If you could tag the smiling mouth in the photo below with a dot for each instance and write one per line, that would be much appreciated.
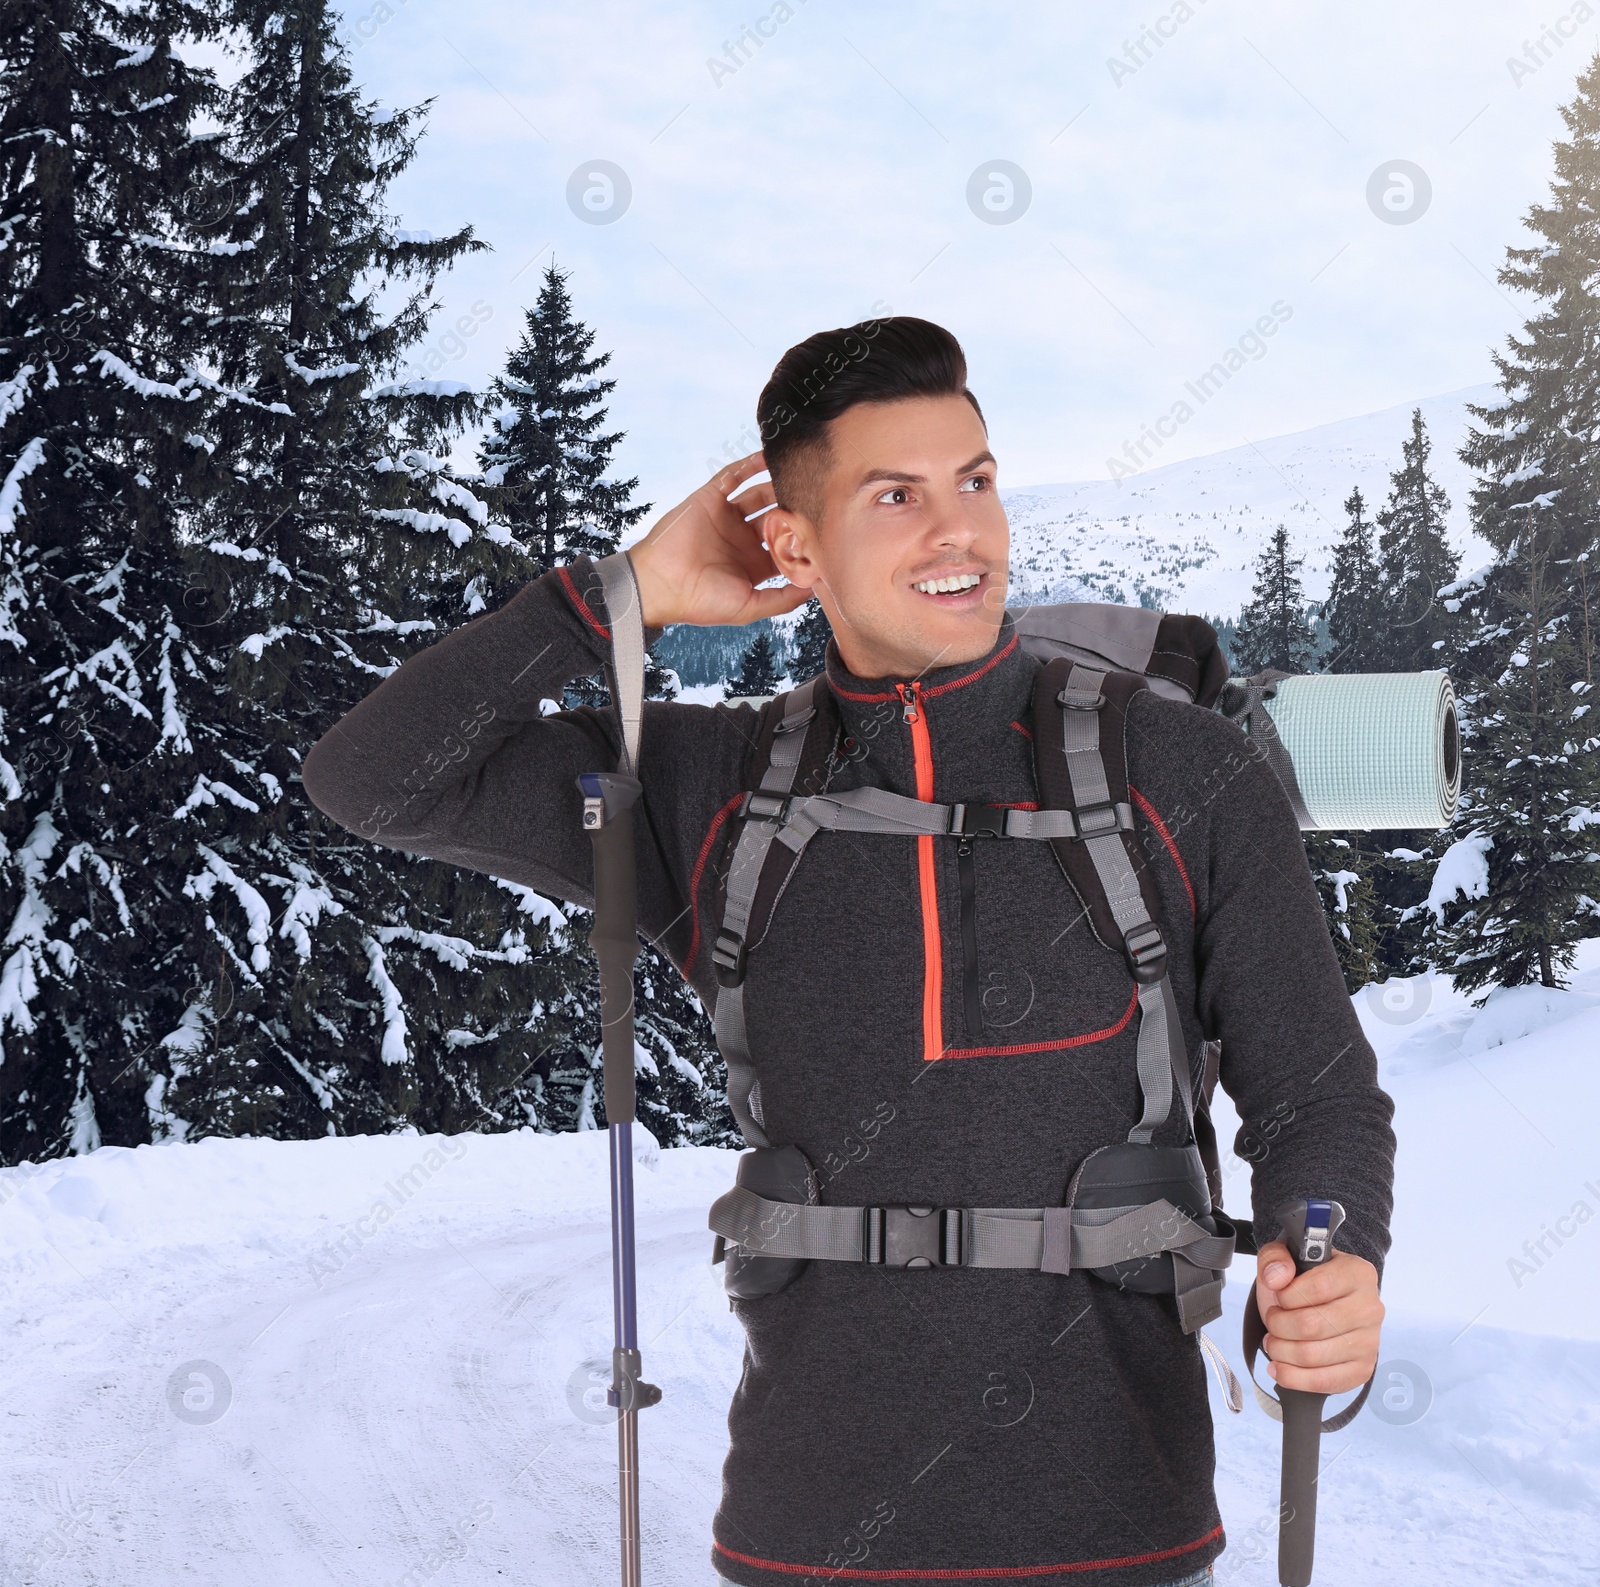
(950, 586)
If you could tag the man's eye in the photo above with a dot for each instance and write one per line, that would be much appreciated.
(897, 497)
(978, 482)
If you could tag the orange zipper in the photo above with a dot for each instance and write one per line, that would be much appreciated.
(915, 716)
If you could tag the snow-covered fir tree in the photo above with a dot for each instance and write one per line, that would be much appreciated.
(1520, 885)
(811, 636)
(339, 984)
(1273, 630)
(547, 449)
(1415, 561)
(1353, 607)
(101, 391)
(547, 456)
(547, 452)
(758, 673)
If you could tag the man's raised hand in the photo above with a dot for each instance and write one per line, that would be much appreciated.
(701, 562)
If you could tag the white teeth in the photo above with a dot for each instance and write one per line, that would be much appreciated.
(961, 581)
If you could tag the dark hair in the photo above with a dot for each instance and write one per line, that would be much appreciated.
(882, 360)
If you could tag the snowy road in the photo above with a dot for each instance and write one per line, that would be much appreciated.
(362, 1360)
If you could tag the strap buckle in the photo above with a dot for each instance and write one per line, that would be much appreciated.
(1095, 820)
(911, 1236)
(759, 806)
(978, 821)
(1146, 950)
(1081, 699)
(728, 957)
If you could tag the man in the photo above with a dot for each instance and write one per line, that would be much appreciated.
(926, 1033)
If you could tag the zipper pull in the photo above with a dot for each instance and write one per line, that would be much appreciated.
(909, 701)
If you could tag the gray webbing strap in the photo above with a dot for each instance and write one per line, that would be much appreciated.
(744, 876)
(876, 810)
(1048, 1239)
(626, 618)
(780, 1228)
(1161, 1059)
(1242, 702)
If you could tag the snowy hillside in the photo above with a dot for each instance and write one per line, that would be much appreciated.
(365, 1360)
(1192, 529)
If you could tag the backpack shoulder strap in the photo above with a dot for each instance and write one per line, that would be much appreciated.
(793, 738)
(1081, 764)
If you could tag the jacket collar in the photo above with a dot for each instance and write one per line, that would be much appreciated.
(972, 698)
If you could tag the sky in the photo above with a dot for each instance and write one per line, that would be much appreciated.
(1100, 200)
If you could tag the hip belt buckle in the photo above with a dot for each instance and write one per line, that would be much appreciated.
(911, 1236)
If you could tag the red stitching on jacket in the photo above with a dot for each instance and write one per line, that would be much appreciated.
(582, 605)
(960, 683)
(1026, 732)
(974, 1573)
(700, 870)
(1149, 812)
(943, 688)
(1046, 1046)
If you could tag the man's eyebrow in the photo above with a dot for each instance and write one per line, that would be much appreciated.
(892, 476)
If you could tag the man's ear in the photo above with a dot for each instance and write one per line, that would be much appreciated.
(792, 540)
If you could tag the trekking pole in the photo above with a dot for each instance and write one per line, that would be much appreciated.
(1308, 1230)
(608, 801)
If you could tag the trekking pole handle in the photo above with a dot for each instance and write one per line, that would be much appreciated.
(608, 801)
(1309, 1225)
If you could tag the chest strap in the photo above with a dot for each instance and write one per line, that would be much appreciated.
(1045, 1239)
(801, 817)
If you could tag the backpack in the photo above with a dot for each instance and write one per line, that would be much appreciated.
(1138, 1215)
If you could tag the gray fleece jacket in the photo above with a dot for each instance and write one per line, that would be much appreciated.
(926, 1425)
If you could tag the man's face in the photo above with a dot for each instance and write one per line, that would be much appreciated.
(909, 500)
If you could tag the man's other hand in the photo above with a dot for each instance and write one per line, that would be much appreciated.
(701, 562)
(1322, 1325)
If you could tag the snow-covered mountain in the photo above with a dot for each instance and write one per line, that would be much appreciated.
(1185, 536)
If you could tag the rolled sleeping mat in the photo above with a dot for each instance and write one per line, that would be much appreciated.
(1371, 750)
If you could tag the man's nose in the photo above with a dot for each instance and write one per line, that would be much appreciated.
(949, 523)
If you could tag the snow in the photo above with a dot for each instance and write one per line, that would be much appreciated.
(427, 522)
(110, 364)
(14, 392)
(309, 375)
(1463, 870)
(257, 911)
(701, 694)
(11, 507)
(393, 1050)
(423, 388)
(364, 1359)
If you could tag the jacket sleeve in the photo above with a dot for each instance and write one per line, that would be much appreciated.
(458, 756)
(1314, 1120)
